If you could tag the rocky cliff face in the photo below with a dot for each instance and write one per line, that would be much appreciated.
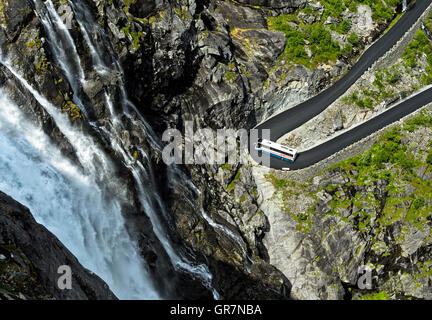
(30, 257)
(370, 212)
(220, 64)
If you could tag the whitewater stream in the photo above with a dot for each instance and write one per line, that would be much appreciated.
(69, 204)
(83, 207)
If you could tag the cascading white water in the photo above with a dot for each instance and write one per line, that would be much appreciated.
(224, 229)
(70, 204)
(140, 172)
(64, 50)
(404, 5)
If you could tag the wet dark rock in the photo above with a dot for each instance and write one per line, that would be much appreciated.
(33, 256)
(17, 15)
(144, 8)
(276, 4)
(242, 17)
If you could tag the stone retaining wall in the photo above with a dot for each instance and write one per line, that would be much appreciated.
(350, 151)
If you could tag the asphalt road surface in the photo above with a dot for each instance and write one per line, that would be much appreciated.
(290, 119)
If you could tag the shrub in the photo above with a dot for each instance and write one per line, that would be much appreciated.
(353, 39)
(344, 27)
(347, 50)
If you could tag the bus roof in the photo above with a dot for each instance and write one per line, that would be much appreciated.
(277, 145)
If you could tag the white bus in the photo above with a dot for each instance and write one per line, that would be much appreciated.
(276, 150)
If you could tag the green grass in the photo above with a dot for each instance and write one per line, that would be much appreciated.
(380, 12)
(419, 46)
(376, 296)
(353, 39)
(390, 161)
(324, 49)
(288, 189)
(226, 166)
(366, 102)
(230, 75)
(232, 184)
(322, 46)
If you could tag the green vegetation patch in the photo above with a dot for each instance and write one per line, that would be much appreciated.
(392, 163)
(321, 44)
(419, 46)
(383, 295)
(288, 191)
(72, 109)
(233, 182)
(388, 186)
(317, 36)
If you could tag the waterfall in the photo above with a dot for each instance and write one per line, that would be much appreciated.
(116, 260)
(143, 174)
(221, 227)
(70, 204)
(63, 48)
(404, 5)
